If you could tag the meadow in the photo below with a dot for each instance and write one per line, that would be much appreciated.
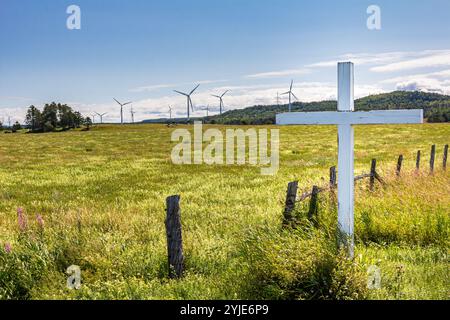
(101, 195)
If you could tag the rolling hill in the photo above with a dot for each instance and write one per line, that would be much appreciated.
(436, 107)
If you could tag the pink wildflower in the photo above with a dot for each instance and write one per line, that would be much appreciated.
(21, 220)
(8, 247)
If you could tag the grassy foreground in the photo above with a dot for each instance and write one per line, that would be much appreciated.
(101, 195)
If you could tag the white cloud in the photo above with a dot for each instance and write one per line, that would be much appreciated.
(429, 82)
(239, 97)
(429, 59)
(278, 74)
(172, 85)
(152, 87)
(365, 58)
(393, 61)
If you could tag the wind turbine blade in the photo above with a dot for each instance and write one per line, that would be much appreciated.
(292, 82)
(194, 89)
(184, 94)
(215, 96)
(126, 103)
(117, 101)
(192, 105)
(285, 93)
(224, 93)
(295, 96)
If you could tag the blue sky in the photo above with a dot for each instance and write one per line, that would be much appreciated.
(141, 50)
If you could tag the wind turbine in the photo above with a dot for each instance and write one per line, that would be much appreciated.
(207, 110)
(291, 94)
(189, 100)
(121, 109)
(170, 112)
(278, 99)
(221, 99)
(93, 118)
(132, 114)
(101, 116)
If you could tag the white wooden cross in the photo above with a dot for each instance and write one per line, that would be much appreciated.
(345, 118)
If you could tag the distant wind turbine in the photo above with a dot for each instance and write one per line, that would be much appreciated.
(132, 114)
(189, 100)
(207, 110)
(121, 109)
(291, 94)
(93, 118)
(101, 115)
(170, 112)
(221, 100)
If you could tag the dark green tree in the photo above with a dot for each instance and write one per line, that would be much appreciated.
(16, 126)
(33, 119)
(50, 116)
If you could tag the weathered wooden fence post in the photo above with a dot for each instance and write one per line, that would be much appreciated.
(418, 161)
(174, 237)
(432, 156)
(332, 178)
(291, 197)
(373, 172)
(313, 207)
(333, 184)
(444, 161)
(399, 165)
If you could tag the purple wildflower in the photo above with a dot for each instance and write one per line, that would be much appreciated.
(8, 247)
(21, 220)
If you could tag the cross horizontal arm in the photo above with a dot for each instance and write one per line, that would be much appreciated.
(358, 117)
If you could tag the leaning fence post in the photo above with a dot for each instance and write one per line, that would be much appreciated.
(444, 162)
(291, 197)
(174, 237)
(313, 208)
(399, 165)
(332, 178)
(418, 161)
(373, 172)
(432, 156)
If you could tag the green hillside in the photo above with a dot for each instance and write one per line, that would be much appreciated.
(436, 107)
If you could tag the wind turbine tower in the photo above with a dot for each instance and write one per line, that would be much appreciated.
(221, 100)
(132, 114)
(291, 94)
(101, 115)
(189, 100)
(121, 109)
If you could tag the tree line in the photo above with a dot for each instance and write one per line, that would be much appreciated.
(53, 117)
(436, 108)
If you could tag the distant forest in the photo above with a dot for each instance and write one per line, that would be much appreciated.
(436, 108)
(53, 117)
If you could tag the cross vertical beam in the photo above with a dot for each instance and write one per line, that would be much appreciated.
(345, 118)
(345, 158)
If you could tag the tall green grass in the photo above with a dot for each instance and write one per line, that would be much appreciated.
(102, 195)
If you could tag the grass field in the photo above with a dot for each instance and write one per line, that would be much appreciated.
(102, 195)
